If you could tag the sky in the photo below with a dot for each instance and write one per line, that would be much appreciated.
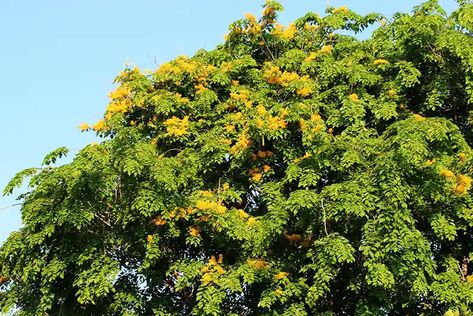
(59, 58)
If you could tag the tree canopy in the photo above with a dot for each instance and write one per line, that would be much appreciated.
(292, 170)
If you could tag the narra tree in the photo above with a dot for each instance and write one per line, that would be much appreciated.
(293, 170)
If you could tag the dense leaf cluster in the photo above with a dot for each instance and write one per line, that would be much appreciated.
(293, 170)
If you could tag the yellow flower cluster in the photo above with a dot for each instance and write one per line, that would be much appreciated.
(430, 162)
(304, 91)
(99, 126)
(84, 126)
(462, 157)
(242, 95)
(242, 214)
(275, 123)
(194, 231)
(272, 75)
(184, 65)
(281, 275)
(254, 27)
(419, 118)
(278, 30)
(289, 32)
(243, 143)
(259, 263)
(288, 77)
(327, 49)
(354, 97)
(159, 221)
(306, 155)
(176, 126)
(447, 173)
(262, 154)
(380, 62)
(292, 237)
(342, 9)
(119, 106)
(257, 173)
(119, 93)
(212, 270)
(463, 184)
(200, 88)
(206, 205)
(311, 56)
(251, 221)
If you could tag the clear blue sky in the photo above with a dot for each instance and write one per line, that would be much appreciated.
(58, 59)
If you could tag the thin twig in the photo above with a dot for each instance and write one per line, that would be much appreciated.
(13, 205)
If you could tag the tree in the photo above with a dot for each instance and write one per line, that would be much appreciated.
(293, 170)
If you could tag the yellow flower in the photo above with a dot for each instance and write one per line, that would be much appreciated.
(207, 193)
(84, 127)
(220, 270)
(463, 184)
(119, 106)
(304, 91)
(120, 92)
(447, 173)
(462, 157)
(212, 261)
(206, 279)
(380, 62)
(284, 113)
(342, 9)
(302, 124)
(315, 118)
(258, 263)
(194, 231)
(327, 49)
(281, 275)
(159, 221)
(220, 209)
(289, 32)
(200, 88)
(419, 118)
(392, 92)
(149, 239)
(311, 56)
(259, 123)
(202, 204)
(354, 97)
(266, 168)
(293, 237)
(272, 75)
(225, 186)
(99, 126)
(250, 17)
(430, 162)
(176, 126)
(275, 123)
(261, 110)
(242, 214)
(242, 143)
(256, 177)
(288, 77)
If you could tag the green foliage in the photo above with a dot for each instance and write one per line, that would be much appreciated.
(293, 170)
